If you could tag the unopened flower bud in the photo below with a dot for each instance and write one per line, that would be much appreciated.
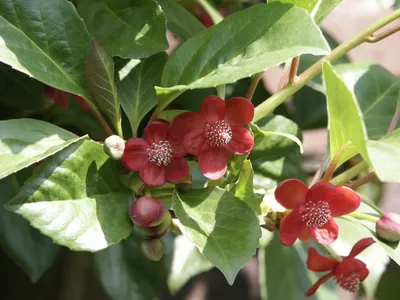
(388, 227)
(147, 212)
(114, 146)
(159, 230)
(153, 249)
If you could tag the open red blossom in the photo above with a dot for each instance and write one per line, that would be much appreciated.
(347, 273)
(214, 132)
(313, 210)
(158, 156)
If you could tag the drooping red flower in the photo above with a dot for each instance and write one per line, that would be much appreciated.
(57, 96)
(313, 210)
(347, 274)
(158, 157)
(214, 132)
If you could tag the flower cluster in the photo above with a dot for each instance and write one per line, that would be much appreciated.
(217, 130)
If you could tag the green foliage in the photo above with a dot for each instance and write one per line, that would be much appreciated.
(77, 199)
(308, 5)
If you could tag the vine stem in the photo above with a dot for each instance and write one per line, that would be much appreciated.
(274, 101)
(362, 216)
(253, 85)
(349, 174)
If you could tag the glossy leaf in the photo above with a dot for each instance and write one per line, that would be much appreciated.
(26, 141)
(77, 198)
(187, 262)
(99, 78)
(345, 118)
(382, 153)
(126, 274)
(180, 21)
(129, 29)
(136, 89)
(224, 229)
(37, 40)
(244, 189)
(284, 274)
(29, 249)
(240, 46)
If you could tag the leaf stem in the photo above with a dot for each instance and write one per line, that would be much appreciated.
(362, 216)
(275, 100)
(332, 166)
(103, 123)
(373, 206)
(376, 38)
(349, 174)
(215, 15)
(253, 85)
(293, 70)
(361, 181)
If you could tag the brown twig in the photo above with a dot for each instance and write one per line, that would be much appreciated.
(356, 183)
(376, 38)
(253, 85)
(293, 69)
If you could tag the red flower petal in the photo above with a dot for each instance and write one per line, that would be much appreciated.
(363, 274)
(316, 285)
(349, 265)
(82, 102)
(322, 191)
(177, 170)
(239, 111)
(156, 132)
(152, 175)
(185, 122)
(291, 193)
(212, 109)
(306, 235)
(212, 162)
(241, 142)
(135, 154)
(177, 147)
(360, 246)
(345, 202)
(194, 140)
(319, 263)
(326, 234)
(291, 228)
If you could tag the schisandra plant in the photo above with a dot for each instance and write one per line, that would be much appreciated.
(110, 145)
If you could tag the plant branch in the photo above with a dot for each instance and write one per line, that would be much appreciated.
(293, 70)
(361, 181)
(376, 38)
(274, 101)
(253, 85)
(349, 174)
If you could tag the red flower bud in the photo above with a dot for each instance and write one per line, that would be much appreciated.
(153, 249)
(147, 212)
(388, 227)
(159, 230)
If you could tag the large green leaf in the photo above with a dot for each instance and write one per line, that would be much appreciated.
(126, 28)
(77, 198)
(187, 262)
(382, 153)
(376, 91)
(284, 274)
(247, 42)
(345, 119)
(308, 5)
(99, 78)
(46, 40)
(180, 21)
(126, 274)
(136, 89)
(223, 227)
(26, 141)
(29, 249)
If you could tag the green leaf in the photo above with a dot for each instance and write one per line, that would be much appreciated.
(215, 57)
(136, 89)
(273, 136)
(130, 29)
(382, 153)
(29, 249)
(126, 274)
(180, 21)
(244, 189)
(187, 262)
(99, 78)
(345, 119)
(308, 5)
(168, 115)
(223, 228)
(46, 40)
(324, 9)
(77, 198)
(26, 141)
(284, 274)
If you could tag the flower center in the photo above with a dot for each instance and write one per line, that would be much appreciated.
(160, 153)
(348, 282)
(316, 214)
(219, 134)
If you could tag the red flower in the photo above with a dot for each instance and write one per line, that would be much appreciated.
(158, 156)
(347, 273)
(82, 102)
(206, 19)
(313, 210)
(215, 131)
(57, 96)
